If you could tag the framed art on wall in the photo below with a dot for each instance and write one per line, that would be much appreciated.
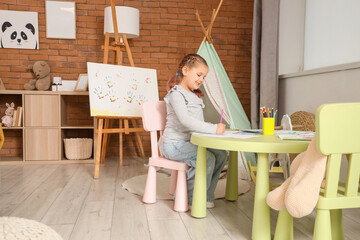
(82, 83)
(60, 19)
(19, 29)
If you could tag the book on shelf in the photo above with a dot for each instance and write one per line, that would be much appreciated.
(19, 113)
(14, 119)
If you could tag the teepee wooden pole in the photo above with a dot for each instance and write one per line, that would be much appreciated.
(202, 26)
(214, 16)
(212, 20)
(207, 32)
(208, 29)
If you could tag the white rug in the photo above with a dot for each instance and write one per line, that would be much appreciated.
(21, 228)
(136, 186)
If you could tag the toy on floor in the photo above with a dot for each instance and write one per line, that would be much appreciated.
(9, 113)
(42, 79)
(300, 192)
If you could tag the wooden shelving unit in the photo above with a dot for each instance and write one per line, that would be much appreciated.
(48, 118)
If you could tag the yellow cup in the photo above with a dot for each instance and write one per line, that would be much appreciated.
(268, 126)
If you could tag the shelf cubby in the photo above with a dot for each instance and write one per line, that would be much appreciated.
(75, 133)
(12, 149)
(75, 111)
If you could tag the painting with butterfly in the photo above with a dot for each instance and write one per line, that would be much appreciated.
(116, 90)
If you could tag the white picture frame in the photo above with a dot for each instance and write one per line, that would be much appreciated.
(60, 19)
(68, 85)
(19, 29)
(82, 83)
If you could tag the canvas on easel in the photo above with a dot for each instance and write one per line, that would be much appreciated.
(105, 121)
(116, 90)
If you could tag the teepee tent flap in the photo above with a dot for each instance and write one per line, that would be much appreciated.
(220, 91)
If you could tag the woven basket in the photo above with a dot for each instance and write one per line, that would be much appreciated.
(305, 122)
(78, 148)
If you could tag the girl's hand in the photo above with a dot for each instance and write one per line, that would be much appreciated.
(220, 128)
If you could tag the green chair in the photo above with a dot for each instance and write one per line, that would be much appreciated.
(337, 133)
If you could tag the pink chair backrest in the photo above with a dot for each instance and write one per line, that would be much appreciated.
(154, 115)
(154, 119)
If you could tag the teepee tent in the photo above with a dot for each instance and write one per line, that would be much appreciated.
(220, 95)
(219, 92)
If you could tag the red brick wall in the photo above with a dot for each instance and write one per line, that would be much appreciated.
(168, 31)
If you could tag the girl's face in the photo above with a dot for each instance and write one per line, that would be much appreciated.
(193, 77)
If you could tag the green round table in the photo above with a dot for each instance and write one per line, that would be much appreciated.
(263, 145)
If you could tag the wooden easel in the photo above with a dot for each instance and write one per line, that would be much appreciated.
(105, 122)
(207, 31)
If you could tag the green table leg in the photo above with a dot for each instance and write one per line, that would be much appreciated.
(261, 218)
(284, 226)
(198, 209)
(232, 178)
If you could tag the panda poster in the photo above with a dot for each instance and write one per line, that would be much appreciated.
(120, 90)
(19, 29)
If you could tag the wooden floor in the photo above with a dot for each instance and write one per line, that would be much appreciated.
(67, 198)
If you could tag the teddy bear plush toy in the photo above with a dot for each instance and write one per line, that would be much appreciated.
(8, 118)
(42, 79)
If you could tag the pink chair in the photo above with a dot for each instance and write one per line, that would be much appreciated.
(154, 119)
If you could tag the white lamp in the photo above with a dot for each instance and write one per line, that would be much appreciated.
(127, 21)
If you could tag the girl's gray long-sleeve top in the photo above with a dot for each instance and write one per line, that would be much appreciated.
(184, 115)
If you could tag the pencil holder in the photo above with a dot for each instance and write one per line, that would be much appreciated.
(268, 126)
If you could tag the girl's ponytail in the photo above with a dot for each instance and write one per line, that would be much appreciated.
(198, 93)
(172, 82)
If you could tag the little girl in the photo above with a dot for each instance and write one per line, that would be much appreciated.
(184, 116)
